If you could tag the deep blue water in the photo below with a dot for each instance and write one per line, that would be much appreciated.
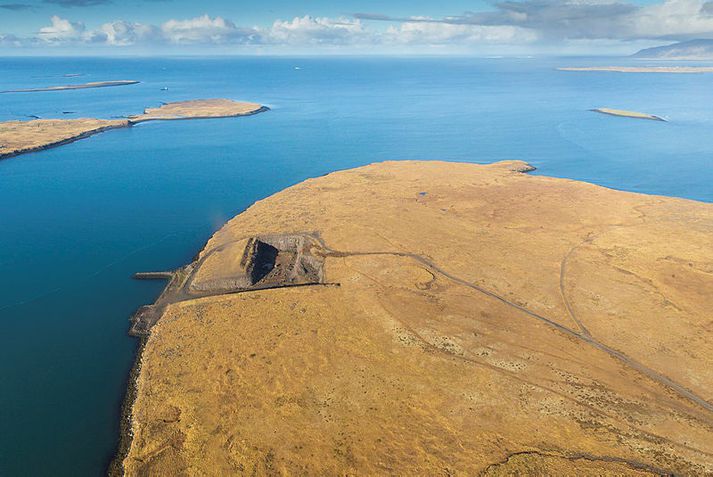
(77, 221)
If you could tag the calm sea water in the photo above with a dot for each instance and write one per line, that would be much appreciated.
(77, 221)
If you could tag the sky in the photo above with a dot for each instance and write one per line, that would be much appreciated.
(478, 27)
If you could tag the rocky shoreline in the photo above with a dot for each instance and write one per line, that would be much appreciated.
(115, 467)
(178, 280)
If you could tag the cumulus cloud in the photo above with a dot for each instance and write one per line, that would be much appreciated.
(428, 33)
(199, 30)
(61, 30)
(309, 30)
(509, 22)
(121, 33)
(207, 30)
(10, 40)
(672, 19)
(675, 19)
(586, 19)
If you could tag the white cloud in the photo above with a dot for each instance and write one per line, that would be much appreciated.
(586, 19)
(121, 33)
(546, 23)
(309, 31)
(10, 40)
(61, 30)
(683, 19)
(200, 30)
(423, 33)
(206, 30)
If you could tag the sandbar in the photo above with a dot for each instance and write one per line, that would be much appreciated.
(95, 84)
(628, 114)
(433, 318)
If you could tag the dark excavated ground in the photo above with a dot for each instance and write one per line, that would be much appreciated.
(270, 261)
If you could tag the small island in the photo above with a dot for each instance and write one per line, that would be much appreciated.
(19, 137)
(96, 84)
(433, 318)
(198, 109)
(643, 69)
(627, 114)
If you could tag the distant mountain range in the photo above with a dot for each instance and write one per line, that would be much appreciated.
(687, 50)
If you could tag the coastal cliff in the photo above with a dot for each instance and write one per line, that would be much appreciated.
(429, 318)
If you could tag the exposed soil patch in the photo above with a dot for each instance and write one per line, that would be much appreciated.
(269, 261)
(264, 260)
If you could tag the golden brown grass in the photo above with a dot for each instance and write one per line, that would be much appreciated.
(469, 335)
(25, 136)
(18, 137)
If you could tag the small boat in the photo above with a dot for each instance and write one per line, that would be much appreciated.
(164, 89)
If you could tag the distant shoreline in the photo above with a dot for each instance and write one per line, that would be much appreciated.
(96, 84)
(642, 69)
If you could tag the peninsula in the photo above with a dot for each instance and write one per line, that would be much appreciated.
(692, 50)
(96, 84)
(433, 318)
(644, 69)
(19, 137)
(628, 114)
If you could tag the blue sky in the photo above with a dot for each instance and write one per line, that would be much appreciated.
(262, 12)
(321, 26)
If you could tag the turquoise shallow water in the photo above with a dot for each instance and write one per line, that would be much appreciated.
(77, 221)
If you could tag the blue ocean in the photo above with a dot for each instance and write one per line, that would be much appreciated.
(77, 221)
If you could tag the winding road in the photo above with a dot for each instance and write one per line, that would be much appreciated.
(181, 293)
